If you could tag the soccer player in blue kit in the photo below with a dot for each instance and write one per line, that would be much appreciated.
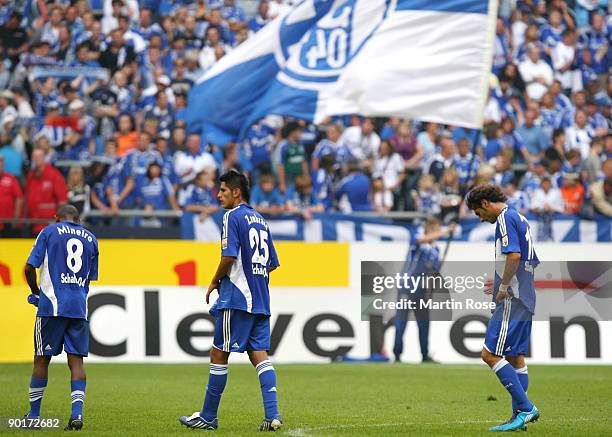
(509, 330)
(242, 310)
(67, 255)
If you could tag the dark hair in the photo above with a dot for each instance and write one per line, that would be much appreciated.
(289, 128)
(234, 179)
(153, 164)
(489, 192)
(67, 211)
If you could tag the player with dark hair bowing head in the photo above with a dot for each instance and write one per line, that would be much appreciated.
(509, 330)
(242, 310)
(67, 255)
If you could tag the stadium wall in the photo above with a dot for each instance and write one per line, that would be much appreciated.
(147, 307)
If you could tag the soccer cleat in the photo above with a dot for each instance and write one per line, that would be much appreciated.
(429, 360)
(195, 421)
(519, 422)
(75, 423)
(271, 425)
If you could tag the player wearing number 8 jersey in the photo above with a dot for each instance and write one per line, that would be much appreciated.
(509, 330)
(242, 310)
(67, 255)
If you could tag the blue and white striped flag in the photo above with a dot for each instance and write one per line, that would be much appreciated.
(424, 59)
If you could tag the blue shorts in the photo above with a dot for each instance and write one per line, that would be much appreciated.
(509, 329)
(239, 331)
(51, 334)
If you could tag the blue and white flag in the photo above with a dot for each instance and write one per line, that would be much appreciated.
(422, 59)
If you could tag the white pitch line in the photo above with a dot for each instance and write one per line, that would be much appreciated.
(303, 432)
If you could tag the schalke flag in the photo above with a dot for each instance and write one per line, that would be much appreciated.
(423, 59)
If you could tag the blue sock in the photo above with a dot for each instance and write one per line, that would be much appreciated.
(509, 379)
(523, 377)
(216, 384)
(77, 388)
(37, 390)
(267, 381)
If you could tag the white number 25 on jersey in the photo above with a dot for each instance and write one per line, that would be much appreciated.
(259, 244)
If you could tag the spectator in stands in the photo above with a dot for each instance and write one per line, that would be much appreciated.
(178, 141)
(126, 136)
(592, 166)
(427, 143)
(266, 198)
(331, 145)
(517, 199)
(79, 193)
(533, 138)
(532, 181)
(563, 57)
(301, 199)
(231, 159)
(11, 196)
(426, 198)
(323, 181)
(200, 196)
(261, 17)
(154, 192)
(118, 53)
(213, 50)
(189, 163)
(362, 141)
(85, 126)
(258, 146)
(450, 194)
(596, 121)
(465, 162)
(601, 193)
(382, 200)
(444, 158)
(503, 168)
(572, 193)
(579, 135)
(536, 73)
(45, 189)
(353, 192)
(292, 162)
(13, 39)
(390, 167)
(546, 202)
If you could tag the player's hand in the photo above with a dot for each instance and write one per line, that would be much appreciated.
(502, 295)
(33, 299)
(211, 288)
(488, 287)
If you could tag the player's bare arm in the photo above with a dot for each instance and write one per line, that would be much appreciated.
(30, 274)
(222, 270)
(510, 267)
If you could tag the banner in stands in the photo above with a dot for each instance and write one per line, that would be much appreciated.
(350, 228)
(324, 58)
(172, 324)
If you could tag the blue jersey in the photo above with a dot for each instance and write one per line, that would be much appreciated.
(265, 199)
(246, 237)
(67, 255)
(513, 235)
(422, 260)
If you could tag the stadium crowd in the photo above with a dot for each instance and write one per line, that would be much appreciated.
(92, 94)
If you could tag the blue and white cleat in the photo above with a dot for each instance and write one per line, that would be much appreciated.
(196, 422)
(519, 422)
(271, 425)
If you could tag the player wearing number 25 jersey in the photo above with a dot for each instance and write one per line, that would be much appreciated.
(242, 310)
(67, 256)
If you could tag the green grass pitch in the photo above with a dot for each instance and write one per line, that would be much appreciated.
(322, 400)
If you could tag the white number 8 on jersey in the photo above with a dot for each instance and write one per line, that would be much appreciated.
(74, 260)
